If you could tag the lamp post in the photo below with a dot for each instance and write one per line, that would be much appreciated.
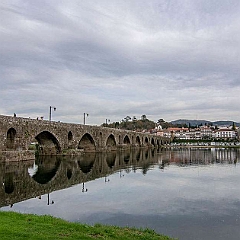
(107, 120)
(84, 117)
(50, 112)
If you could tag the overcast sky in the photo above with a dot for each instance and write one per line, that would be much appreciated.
(165, 59)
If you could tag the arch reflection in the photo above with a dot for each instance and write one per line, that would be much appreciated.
(46, 168)
(86, 162)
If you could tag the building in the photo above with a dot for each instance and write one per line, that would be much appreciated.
(225, 134)
(206, 132)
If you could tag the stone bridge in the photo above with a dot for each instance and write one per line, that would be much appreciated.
(18, 136)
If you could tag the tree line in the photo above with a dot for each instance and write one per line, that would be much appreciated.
(134, 124)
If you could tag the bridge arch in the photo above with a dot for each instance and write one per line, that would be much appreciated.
(126, 140)
(11, 135)
(69, 173)
(70, 136)
(146, 141)
(48, 144)
(111, 143)
(138, 141)
(70, 139)
(153, 142)
(87, 143)
(101, 139)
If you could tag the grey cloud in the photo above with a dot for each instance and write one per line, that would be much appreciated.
(160, 58)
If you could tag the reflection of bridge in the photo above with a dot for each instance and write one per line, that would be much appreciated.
(52, 138)
(23, 180)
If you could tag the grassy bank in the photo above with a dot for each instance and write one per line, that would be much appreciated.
(17, 226)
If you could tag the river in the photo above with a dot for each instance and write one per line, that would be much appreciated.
(186, 193)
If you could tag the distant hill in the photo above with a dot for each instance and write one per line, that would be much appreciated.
(203, 122)
(220, 123)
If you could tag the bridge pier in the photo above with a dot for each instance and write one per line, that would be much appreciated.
(12, 156)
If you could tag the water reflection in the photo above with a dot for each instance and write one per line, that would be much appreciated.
(50, 173)
(47, 167)
(86, 162)
(144, 188)
(8, 183)
(110, 159)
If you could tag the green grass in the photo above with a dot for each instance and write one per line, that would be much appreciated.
(17, 226)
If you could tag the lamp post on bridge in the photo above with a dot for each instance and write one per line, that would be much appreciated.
(107, 120)
(50, 112)
(84, 117)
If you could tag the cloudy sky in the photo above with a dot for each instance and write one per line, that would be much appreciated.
(166, 59)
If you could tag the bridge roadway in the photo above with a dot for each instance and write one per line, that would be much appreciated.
(19, 135)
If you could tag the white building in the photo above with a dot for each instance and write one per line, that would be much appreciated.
(206, 132)
(225, 134)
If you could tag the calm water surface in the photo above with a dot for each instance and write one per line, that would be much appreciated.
(184, 193)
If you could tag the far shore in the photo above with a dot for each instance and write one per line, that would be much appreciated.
(204, 145)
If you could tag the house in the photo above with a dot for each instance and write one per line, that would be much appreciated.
(179, 133)
(206, 132)
(225, 134)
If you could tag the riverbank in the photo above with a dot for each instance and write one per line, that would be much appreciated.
(204, 146)
(28, 226)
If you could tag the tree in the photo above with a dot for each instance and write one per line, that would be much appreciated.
(127, 118)
(134, 119)
(160, 121)
(135, 124)
(143, 117)
(233, 126)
